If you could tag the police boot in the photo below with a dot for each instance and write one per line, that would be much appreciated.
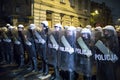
(11, 58)
(87, 78)
(52, 76)
(21, 61)
(3, 58)
(46, 69)
(57, 76)
(42, 68)
(30, 66)
(34, 64)
(71, 75)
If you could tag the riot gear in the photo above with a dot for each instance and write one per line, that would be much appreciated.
(19, 45)
(53, 46)
(105, 49)
(7, 44)
(83, 59)
(44, 23)
(7, 25)
(43, 47)
(67, 45)
(31, 46)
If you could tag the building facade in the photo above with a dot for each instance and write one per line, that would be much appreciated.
(67, 12)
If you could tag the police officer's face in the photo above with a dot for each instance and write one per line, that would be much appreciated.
(42, 26)
(57, 28)
(69, 32)
(20, 29)
(107, 33)
(85, 36)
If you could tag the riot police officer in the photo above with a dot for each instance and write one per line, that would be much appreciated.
(99, 64)
(43, 47)
(19, 45)
(8, 47)
(10, 34)
(110, 36)
(87, 53)
(66, 55)
(53, 47)
(31, 47)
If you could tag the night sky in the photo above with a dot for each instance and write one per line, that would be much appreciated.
(114, 5)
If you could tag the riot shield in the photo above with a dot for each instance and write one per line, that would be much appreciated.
(107, 55)
(83, 62)
(53, 45)
(66, 51)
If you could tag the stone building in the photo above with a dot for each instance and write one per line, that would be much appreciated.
(66, 12)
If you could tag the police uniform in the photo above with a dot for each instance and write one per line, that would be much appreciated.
(53, 49)
(109, 67)
(8, 43)
(43, 47)
(31, 47)
(85, 56)
(19, 45)
(66, 55)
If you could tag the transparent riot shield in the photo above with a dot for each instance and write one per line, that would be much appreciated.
(66, 51)
(107, 55)
(53, 45)
(83, 62)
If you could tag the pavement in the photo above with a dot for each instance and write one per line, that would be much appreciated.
(12, 72)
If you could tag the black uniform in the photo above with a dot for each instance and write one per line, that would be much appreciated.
(66, 58)
(83, 62)
(31, 49)
(109, 67)
(19, 47)
(43, 51)
(8, 46)
(52, 54)
(106, 66)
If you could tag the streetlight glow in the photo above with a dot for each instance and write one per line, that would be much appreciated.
(96, 12)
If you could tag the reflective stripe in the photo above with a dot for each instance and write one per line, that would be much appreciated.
(53, 46)
(28, 43)
(17, 42)
(61, 48)
(77, 50)
(7, 40)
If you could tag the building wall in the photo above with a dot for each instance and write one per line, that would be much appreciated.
(66, 12)
(56, 11)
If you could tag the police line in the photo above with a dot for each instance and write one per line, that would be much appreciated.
(106, 56)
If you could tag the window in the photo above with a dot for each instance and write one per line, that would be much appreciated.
(62, 1)
(17, 9)
(79, 4)
(72, 3)
(49, 17)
